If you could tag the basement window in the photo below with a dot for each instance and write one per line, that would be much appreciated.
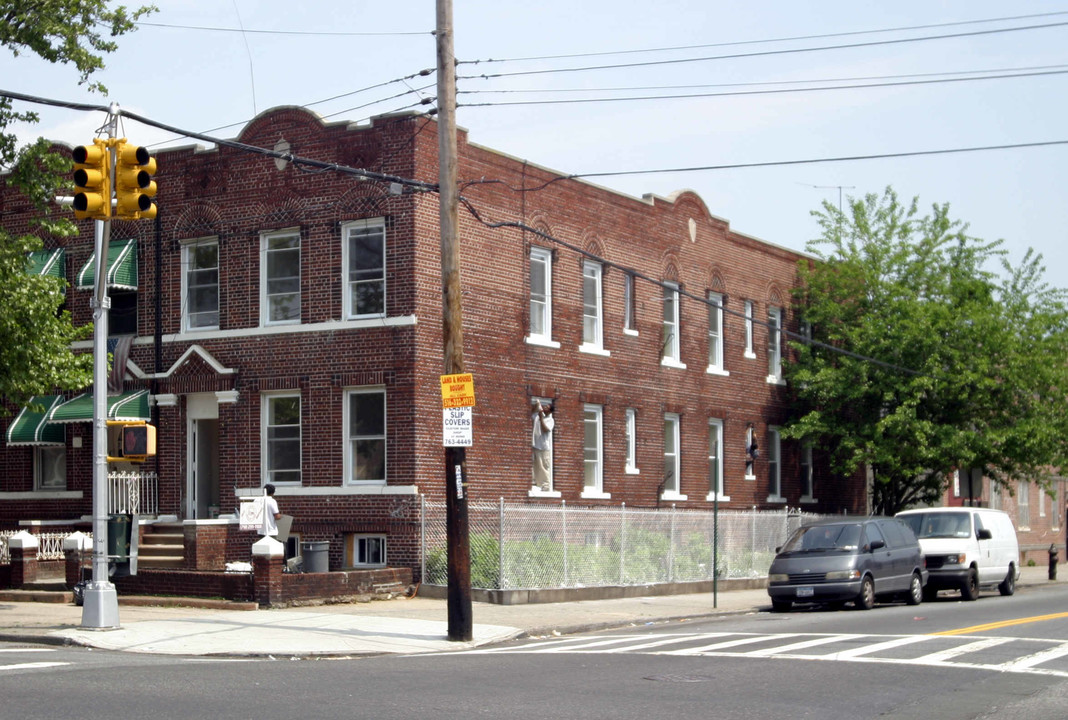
(366, 550)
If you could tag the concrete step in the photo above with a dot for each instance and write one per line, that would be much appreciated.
(162, 539)
(161, 551)
(162, 562)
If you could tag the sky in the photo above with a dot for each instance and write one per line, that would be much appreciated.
(190, 66)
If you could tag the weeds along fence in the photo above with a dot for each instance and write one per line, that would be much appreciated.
(520, 546)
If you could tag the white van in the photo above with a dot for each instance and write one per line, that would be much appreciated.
(966, 549)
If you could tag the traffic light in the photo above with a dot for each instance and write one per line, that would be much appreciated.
(134, 186)
(92, 171)
(138, 441)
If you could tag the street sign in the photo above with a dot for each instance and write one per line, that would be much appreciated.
(456, 427)
(457, 390)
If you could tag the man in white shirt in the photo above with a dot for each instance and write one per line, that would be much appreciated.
(542, 442)
(271, 513)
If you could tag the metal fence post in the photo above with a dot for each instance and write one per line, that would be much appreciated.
(501, 584)
(563, 522)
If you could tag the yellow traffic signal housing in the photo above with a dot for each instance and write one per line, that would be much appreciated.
(134, 186)
(130, 441)
(92, 180)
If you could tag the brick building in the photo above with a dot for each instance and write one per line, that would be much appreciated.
(286, 328)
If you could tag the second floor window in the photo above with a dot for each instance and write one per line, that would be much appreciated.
(749, 329)
(364, 263)
(715, 332)
(629, 322)
(715, 460)
(200, 262)
(281, 278)
(541, 295)
(592, 311)
(631, 439)
(669, 351)
(281, 438)
(774, 344)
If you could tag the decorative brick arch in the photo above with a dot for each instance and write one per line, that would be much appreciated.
(281, 212)
(775, 295)
(197, 220)
(363, 200)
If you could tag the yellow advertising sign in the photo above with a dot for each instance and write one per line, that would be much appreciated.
(457, 390)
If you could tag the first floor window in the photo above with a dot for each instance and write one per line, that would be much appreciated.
(366, 433)
(281, 427)
(50, 468)
(774, 466)
(807, 491)
(715, 459)
(592, 448)
(1023, 505)
(367, 551)
(672, 464)
(630, 431)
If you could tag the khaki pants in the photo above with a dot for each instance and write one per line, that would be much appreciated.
(543, 469)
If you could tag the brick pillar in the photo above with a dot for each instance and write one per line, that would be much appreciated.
(77, 552)
(23, 547)
(268, 558)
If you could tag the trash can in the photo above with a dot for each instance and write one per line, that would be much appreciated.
(119, 536)
(316, 556)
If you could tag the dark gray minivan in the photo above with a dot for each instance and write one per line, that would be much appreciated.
(848, 560)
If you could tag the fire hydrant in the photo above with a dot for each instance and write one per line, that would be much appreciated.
(1052, 561)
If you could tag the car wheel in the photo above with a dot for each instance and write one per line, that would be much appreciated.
(915, 596)
(970, 589)
(781, 605)
(866, 599)
(1008, 585)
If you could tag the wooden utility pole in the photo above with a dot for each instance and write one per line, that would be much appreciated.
(459, 546)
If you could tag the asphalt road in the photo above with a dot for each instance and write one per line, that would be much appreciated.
(1003, 657)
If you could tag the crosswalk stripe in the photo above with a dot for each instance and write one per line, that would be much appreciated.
(763, 652)
(31, 666)
(887, 645)
(26, 650)
(1037, 658)
(726, 644)
(943, 655)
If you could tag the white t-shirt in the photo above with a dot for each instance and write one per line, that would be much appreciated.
(542, 440)
(270, 509)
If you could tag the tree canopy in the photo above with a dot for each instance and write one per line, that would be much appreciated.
(931, 353)
(35, 331)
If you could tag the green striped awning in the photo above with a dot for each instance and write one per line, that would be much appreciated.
(32, 428)
(122, 267)
(131, 406)
(47, 262)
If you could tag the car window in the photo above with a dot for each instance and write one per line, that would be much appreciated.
(939, 524)
(894, 532)
(871, 534)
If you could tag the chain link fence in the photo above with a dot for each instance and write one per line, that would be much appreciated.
(520, 546)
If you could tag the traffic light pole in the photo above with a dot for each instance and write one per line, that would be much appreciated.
(457, 538)
(101, 603)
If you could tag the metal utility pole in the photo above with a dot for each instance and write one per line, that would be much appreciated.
(100, 608)
(459, 546)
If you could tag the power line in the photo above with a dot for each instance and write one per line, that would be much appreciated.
(309, 33)
(780, 91)
(758, 42)
(764, 53)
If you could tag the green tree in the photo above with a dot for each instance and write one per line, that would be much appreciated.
(970, 365)
(35, 332)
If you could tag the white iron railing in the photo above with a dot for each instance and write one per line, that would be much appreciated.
(50, 545)
(134, 492)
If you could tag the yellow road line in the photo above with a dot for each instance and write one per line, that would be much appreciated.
(1003, 623)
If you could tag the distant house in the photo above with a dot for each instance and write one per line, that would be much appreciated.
(284, 325)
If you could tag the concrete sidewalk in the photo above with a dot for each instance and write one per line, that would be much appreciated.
(400, 626)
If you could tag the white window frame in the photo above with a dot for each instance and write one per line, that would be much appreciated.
(630, 326)
(750, 461)
(716, 481)
(369, 275)
(358, 542)
(48, 461)
(715, 335)
(808, 488)
(774, 455)
(749, 330)
(593, 452)
(189, 251)
(266, 296)
(631, 439)
(1041, 502)
(266, 471)
(673, 456)
(350, 439)
(1023, 505)
(775, 345)
(592, 309)
(670, 350)
(541, 305)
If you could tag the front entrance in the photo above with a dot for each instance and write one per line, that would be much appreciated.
(202, 453)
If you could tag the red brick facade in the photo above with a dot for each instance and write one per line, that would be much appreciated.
(214, 380)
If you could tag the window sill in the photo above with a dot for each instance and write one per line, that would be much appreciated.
(672, 363)
(595, 495)
(711, 497)
(672, 496)
(593, 350)
(776, 499)
(775, 380)
(536, 492)
(750, 477)
(42, 495)
(541, 342)
(806, 500)
(749, 354)
(717, 371)
(632, 471)
(628, 331)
